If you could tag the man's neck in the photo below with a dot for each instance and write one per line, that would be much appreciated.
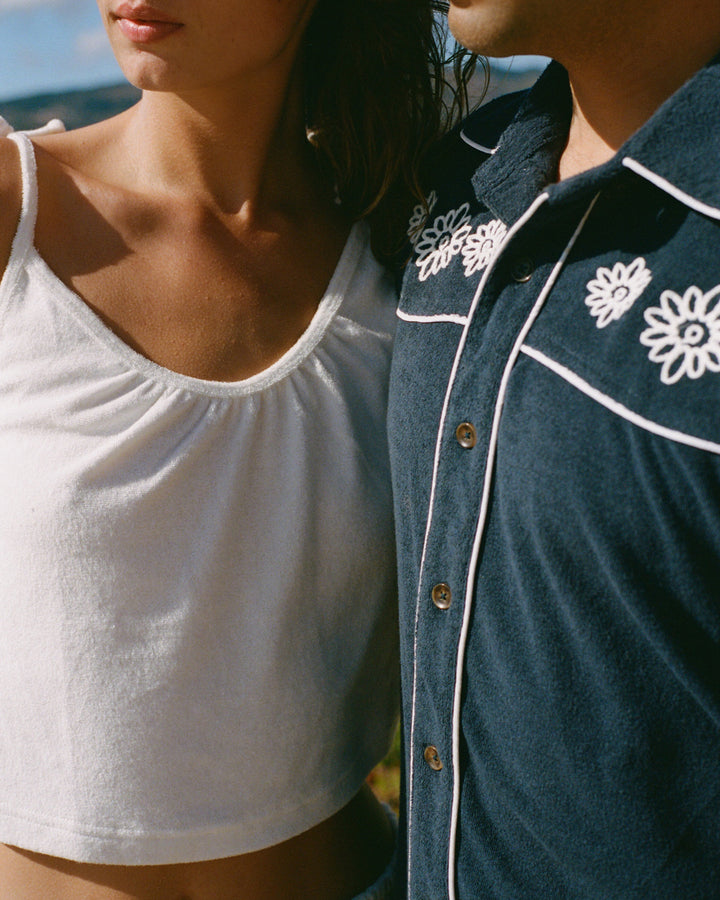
(617, 90)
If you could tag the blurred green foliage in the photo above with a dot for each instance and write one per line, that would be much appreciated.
(385, 778)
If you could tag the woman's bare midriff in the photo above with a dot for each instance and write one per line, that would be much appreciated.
(335, 860)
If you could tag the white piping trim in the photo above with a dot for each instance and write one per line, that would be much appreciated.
(474, 144)
(480, 530)
(712, 211)
(433, 487)
(449, 317)
(647, 424)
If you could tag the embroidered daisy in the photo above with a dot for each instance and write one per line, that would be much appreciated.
(684, 333)
(420, 216)
(481, 246)
(443, 240)
(613, 291)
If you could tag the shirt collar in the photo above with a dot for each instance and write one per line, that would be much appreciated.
(678, 149)
(520, 158)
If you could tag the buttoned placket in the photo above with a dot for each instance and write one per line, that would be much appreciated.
(462, 480)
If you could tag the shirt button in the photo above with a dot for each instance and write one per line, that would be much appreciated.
(466, 435)
(432, 758)
(441, 596)
(522, 269)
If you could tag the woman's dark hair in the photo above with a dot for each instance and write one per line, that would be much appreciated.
(381, 89)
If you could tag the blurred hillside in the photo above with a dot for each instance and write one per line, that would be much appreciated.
(77, 108)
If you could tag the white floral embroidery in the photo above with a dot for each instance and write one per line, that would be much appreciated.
(443, 240)
(482, 245)
(684, 333)
(613, 291)
(419, 217)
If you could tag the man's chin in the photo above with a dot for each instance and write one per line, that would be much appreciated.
(472, 24)
(467, 31)
(484, 30)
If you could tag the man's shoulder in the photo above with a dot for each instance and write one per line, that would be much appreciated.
(473, 140)
(443, 232)
(484, 127)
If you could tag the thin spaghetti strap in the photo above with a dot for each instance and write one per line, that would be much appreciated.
(25, 234)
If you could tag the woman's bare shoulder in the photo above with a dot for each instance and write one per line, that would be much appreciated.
(82, 150)
(10, 197)
(61, 152)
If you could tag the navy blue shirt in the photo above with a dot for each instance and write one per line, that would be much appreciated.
(555, 432)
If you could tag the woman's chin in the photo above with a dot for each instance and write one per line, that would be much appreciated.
(149, 73)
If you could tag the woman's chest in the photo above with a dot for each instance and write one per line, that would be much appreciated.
(198, 293)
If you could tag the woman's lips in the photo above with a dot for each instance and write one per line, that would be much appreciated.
(143, 25)
(140, 31)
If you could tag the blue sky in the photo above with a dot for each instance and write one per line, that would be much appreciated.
(55, 45)
(50, 45)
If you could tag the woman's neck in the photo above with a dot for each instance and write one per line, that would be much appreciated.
(241, 151)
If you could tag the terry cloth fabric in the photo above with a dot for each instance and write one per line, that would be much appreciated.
(197, 579)
(555, 438)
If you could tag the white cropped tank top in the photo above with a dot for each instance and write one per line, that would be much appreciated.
(197, 582)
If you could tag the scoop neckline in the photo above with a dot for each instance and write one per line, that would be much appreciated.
(293, 357)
